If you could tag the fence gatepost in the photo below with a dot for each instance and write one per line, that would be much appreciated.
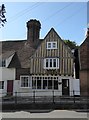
(74, 95)
(34, 96)
(53, 96)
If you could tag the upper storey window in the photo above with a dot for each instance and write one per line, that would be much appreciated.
(51, 45)
(51, 63)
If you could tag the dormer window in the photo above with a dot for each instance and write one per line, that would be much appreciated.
(51, 45)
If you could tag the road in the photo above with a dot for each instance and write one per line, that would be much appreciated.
(46, 114)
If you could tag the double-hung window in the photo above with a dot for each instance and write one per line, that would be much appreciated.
(51, 63)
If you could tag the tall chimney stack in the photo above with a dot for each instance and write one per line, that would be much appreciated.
(33, 30)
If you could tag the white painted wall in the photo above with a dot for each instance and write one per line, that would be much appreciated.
(42, 92)
(76, 86)
(6, 74)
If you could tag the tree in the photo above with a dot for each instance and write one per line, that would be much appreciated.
(71, 44)
(2, 15)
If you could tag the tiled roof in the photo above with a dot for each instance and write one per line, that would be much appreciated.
(23, 49)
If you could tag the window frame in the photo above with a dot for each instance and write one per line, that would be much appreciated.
(51, 45)
(21, 82)
(49, 61)
(47, 82)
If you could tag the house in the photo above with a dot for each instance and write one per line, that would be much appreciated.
(84, 65)
(38, 64)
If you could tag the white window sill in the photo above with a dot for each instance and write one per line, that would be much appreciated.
(53, 68)
(25, 87)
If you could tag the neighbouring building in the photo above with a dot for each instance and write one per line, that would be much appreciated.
(37, 64)
(84, 65)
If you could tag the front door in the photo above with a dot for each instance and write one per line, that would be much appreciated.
(65, 86)
(10, 87)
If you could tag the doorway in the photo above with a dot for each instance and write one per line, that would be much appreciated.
(10, 87)
(65, 86)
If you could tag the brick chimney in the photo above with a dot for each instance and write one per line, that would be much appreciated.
(33, 31)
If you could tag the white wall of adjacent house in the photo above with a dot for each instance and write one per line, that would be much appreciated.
(5, 75)
(74, 87)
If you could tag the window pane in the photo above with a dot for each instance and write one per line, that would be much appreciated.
(50, 62)
(38, 84)
(34, 84)
(54, 62)
(49, 45)
(26, 81)
(54, 45)
(1, 84)
(3, 63)
(55, 84)
(46, 62)
(44, 84)
(49, 84)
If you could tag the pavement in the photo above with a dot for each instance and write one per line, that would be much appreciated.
(46, 114)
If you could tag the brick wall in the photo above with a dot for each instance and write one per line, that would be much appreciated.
(22, 71)
(84, 67)
(84, 82)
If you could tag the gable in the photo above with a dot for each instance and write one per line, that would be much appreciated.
(63, 53)
(7, 57)
(62, 49)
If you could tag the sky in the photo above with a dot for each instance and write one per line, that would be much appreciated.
(69, 19)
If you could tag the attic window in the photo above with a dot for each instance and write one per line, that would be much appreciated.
(51, 45)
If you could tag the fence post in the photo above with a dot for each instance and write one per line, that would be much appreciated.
(15, 97)
(53, 96)
(34, 96)
(74, 95)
